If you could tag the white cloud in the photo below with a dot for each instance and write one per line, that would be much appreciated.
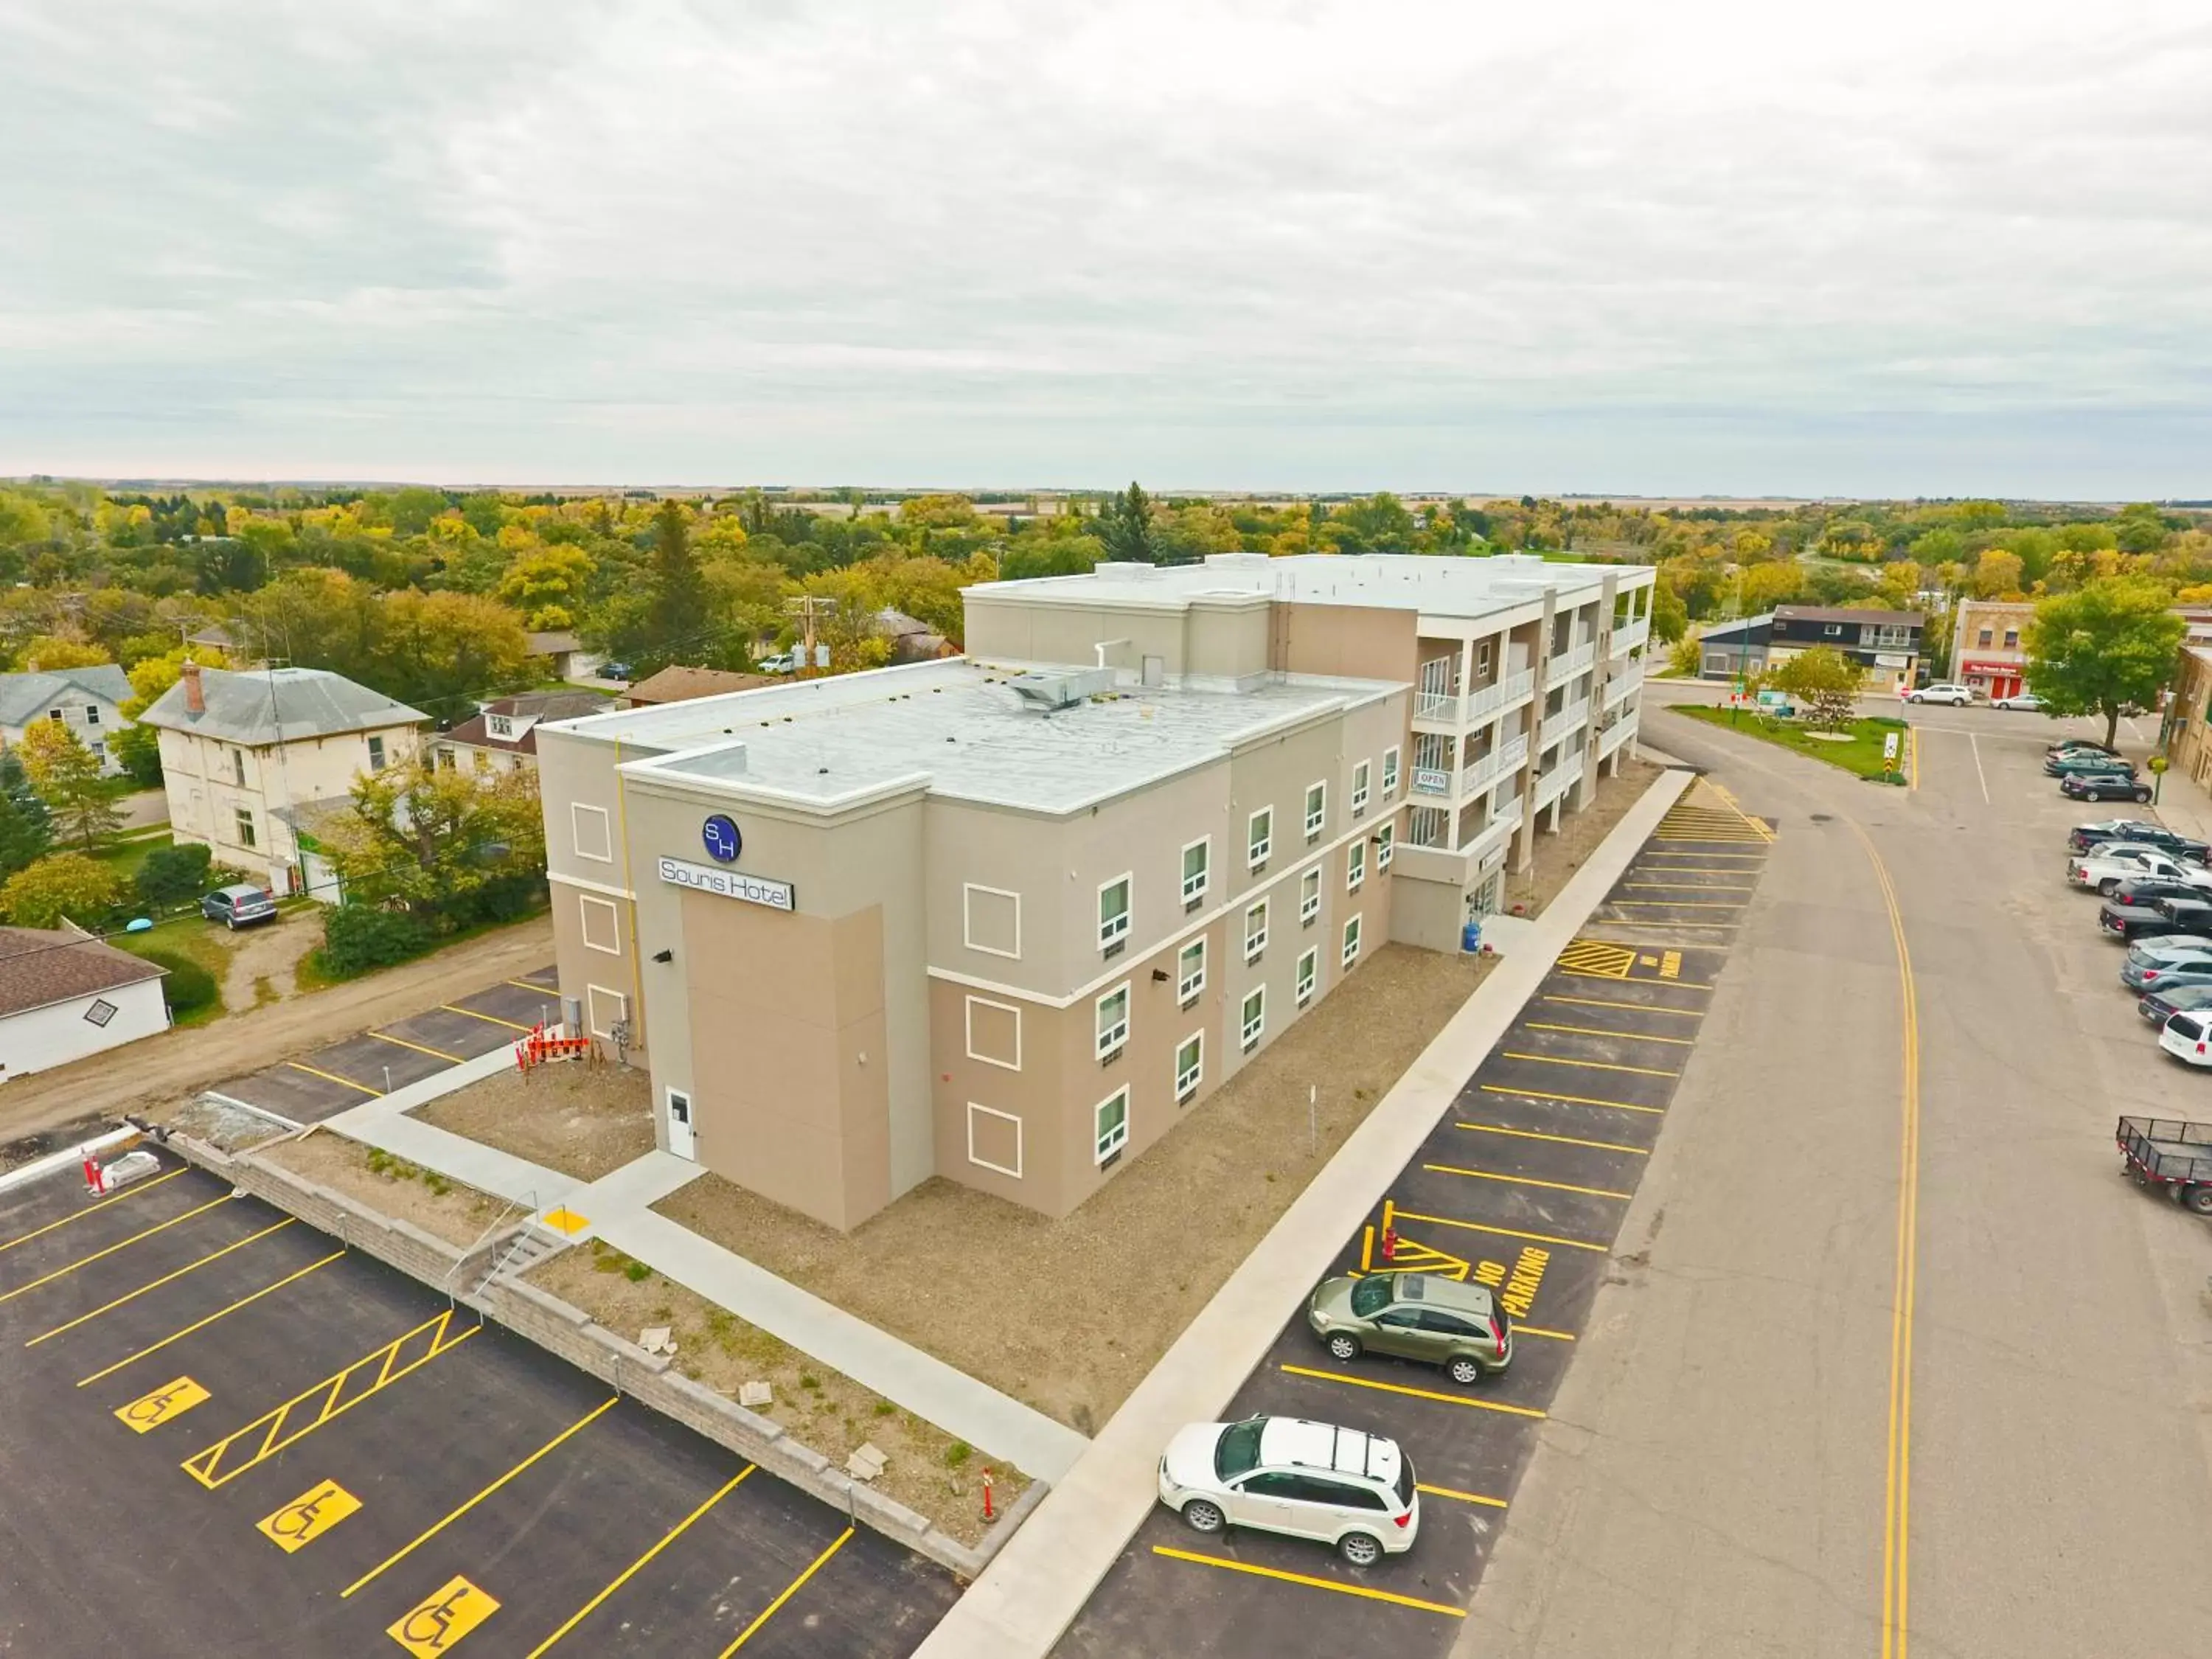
(1880, 247)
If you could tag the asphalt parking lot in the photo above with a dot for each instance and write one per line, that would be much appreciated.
(226, 1434)
(317, 1085)
(1521, 1186)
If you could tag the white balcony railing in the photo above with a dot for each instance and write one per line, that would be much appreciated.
(1436, 705)
(1570, 716)
(1566, 664)
(1555, 782)
(1493, 834)
(1471, 707)
(1615, 735)
(1627, 676)
(1629, 635)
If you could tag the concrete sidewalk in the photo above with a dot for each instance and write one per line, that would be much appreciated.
(1039, 1582)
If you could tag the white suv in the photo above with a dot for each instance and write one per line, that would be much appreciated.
(1339, 1487)
(1942, 691)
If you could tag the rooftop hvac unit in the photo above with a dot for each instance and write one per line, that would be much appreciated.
(1046, 692)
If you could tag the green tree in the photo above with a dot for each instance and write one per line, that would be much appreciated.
(2104, 649)
(16, 787)
(1670, 618)
(48, 653)
(1827, 682)
(21, 841)
(67, 885)
(68, 777)
(1126, 527)
(426, 840)
(678, 610)
(548, 584)
(441, 650)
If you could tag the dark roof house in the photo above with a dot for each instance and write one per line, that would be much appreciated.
(509, 724)
(40, 966)
(676, 683)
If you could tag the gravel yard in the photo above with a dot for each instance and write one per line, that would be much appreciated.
(390, 1186)
(584, 1120)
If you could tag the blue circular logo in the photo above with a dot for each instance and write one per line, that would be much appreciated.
(723, 841)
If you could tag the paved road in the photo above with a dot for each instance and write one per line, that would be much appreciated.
(1715, 1478)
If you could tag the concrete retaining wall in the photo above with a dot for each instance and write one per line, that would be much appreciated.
(568, 1333)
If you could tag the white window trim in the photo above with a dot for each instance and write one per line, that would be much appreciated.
(578, 811)
(1386, 844)
(1352, 940)
(1191, 895)
(1257, 855)
(975, 1106)
(968, 1016)
(1253, 948)
(592, 1007)
(585, 905)
(1355, 866)
(1250, 1028)
(1391, 771)
(1316, 816)
(1107, 941)
(1308, 978)
(1185, 1088)
(1308, 902)
(1099, 1151)
(1188, 988)
(968, 937)
(1110, 1041)
(1361, 777)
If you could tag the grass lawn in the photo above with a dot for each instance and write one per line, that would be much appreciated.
(193, 938)
(1861, 752)
(124, 856)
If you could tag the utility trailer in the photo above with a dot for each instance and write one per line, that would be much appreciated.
(2169, 1153)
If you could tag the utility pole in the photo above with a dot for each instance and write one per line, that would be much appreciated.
(806, 608)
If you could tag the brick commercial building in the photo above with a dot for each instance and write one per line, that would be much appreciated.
(1986, 648)
(1007, 918)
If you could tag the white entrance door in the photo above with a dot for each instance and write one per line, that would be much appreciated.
(681, 1140)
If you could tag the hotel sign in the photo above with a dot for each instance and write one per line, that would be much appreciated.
(729, 883)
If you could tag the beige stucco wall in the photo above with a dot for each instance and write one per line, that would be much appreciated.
(1000, 630)
(1228, 638)
(1358, 642)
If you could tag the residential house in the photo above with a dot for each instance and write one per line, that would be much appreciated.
(238, 748)
(502, 735)
(912, 640)
(87, 701)
(63, 996)
(1727, 650)
(565, 652)
(1885, 643)
(1987, 649)
(676, 683)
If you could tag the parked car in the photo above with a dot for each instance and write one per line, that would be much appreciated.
(2166, 1153)
(2103, 786)
(2025, 702)
(2137, 832)
(2058, 766)
(2168, 1000)
(1942, 691)
(1460, 1327)
(1339, 1487)
(2107, 868)
(2078, 746)
(616, 671)
(2156, 920)
(238, 905)
(2188, 1038)
(2169, 970)
(785, 662)
(2150, 889)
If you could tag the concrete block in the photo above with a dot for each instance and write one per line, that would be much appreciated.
(866, 1462)
(755, 1393)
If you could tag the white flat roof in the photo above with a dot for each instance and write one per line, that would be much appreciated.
(954, 726)
(1441, 587)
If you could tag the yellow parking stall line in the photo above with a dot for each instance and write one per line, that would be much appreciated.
(1277, 1573)
(40, 1232)
(332, 1077)
(420, 1049)
(1665, 904)
(1468, 1400)
(1587, 1065)
(1676, 925)
(87, 1261)
(1565, 1141)
(206, 1465)
(394, 1559)
(1597, 1030)
(1505, 1232)
(1524, 1181)
(1535, 1330)
(789, 1591)
(1646, 978)
(489, 1019)
(638, 1565)
(535, 990)
(201, 1324)
(1694, 886)
(132, 1296)
(1638, 1007)
(1460, 1497)
(1572, 1100)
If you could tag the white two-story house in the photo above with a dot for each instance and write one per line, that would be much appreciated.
(87, 701)
(242, 753)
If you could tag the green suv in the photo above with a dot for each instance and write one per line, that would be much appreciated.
(1458, 1327)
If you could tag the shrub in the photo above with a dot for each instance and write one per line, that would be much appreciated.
(357, 937)
(636, 1272)
(189, 986)
(62, 884)
(957, 1453)
(172, 875)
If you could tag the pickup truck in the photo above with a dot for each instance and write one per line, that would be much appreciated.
(2156, 920)
(2169, 1153)
(2083, 836)
(2105, 867)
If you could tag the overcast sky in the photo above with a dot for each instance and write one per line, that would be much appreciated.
(1886, 246)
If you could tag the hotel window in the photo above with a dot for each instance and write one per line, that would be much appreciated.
(1256, 1016)
(1113, 1021)
(1190, 971)
(1113, 912)
(1308, 897)
(1110, 1119)
(1482, 659)
(1390, 771)
(1190, 1065)
(1197, 859)
(1351, 941)
(1309, 971)
(1260, 837)
(1359, 774)
(1386, 842)
(1256, 930)
(1355, 866)
(1316, 809)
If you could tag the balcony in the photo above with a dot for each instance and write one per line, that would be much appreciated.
(1627, 676)
(1616, 734)
(1566, 664)
(1570, 716)
(1629, 635)
(1471, 707)
(1494, 834)
(1556, 782)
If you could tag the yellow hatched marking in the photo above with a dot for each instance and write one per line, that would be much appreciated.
(1471, 1403)
(1524, 1180)
(1599, 1031)
(1565, 1141)
(1460, 1497)
(489, 1019)
(332, 1077)
(121, 1244)
(1597, 957)
(1638, 1007)
(201, 1324)
(436, 1623)
(420, 1049)
(1586, 1064)
(132, 1296)
(1503, 1232)
(171, 1399)
(1281, 1577)
(307, 1517)
(308, 1410)
(1408, 1257)
(1572, 1100)
(67, 1220)
(789, 1591)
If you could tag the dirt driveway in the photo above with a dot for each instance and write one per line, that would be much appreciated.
(166, 1068)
